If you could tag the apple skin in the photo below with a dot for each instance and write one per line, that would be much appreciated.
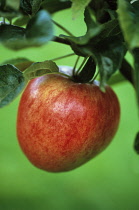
(62, 124)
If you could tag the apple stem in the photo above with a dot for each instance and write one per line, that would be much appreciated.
(75, 65)
(93, 79)
(127, 71)
(82, 64)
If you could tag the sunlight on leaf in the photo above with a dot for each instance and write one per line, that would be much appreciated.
(13, 4)
(20, 63)
(78, 7)
(93, 29)
(39, 31)
(40, 69)
(40, 28)
(129, 21)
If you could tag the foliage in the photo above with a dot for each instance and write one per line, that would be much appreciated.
(112, 31)
(11, 83)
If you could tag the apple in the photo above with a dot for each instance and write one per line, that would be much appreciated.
(62, 124)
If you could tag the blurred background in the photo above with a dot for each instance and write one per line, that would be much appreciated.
(110, 181)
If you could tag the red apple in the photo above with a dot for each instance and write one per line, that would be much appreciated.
(62, 124)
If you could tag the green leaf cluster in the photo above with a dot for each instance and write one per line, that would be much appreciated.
(78, 7)
(9, 9)
(25, 23)
(103, 42)
(13, 80)
(38, 31)
(112, 30)
(53, 6)
(128, 12)
(12, 83)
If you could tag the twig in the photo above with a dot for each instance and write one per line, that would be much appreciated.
(82, 64)
(127, 71)
(60, 40)
(64, 56)
(63, 28)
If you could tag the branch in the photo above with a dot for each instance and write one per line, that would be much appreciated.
(60, 40)
(127, 71)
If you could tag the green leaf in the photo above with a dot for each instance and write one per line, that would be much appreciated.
(53, 6)
(87, 72)
(100, 10)
(20, 63)
(38, 32)
(112, 4)
(40, 29)
(9, 9)
(32, 6)
(12, 83)
(135, 53)
(129, 20)
(35, 5)
(21, 21)
(84, 45)
(93, 29)
(13, 4)
(12, 36)
(109, 54)
(78, 7)
(110, 28)
(25, 6)
(40, 69)
(9, 13)
(136, 143)
(2, 3)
